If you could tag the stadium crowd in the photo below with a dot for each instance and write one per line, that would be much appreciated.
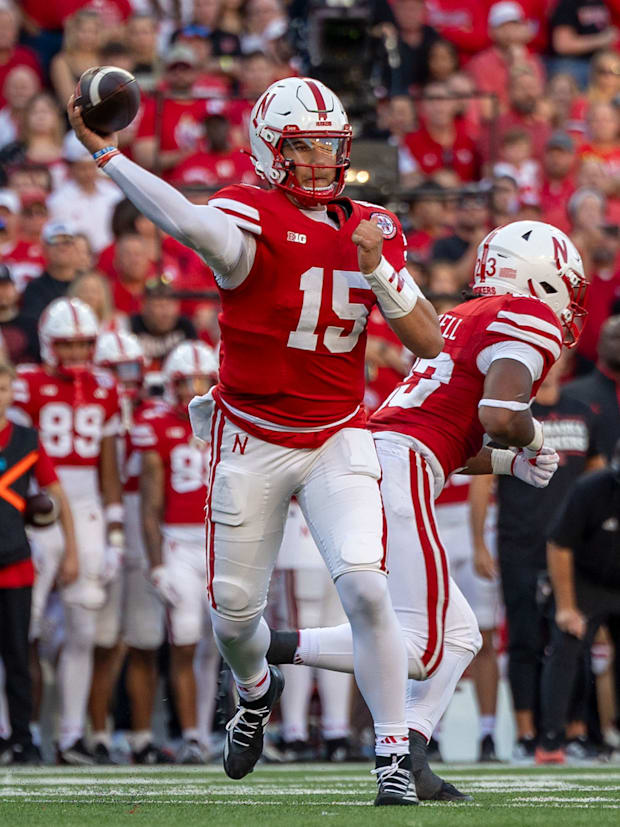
(483, 113)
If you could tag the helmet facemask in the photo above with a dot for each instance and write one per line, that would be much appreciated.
(70, 367)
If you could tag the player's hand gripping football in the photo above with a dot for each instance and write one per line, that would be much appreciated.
(369, 239)
(90, 139)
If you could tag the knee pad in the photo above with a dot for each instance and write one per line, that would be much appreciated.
(363, 593)
(229, 631)
(232, 599)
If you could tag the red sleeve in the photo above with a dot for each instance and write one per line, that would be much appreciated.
(527, 320)
(44, 469)
(146, 127)
(241, 204)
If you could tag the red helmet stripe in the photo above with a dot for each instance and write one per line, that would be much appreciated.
(318, 97)
(76, 318)
(119, 342)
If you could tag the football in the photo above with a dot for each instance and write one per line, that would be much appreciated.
(109, 97)
(41, 510)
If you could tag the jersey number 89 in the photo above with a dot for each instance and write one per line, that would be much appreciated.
(65, 430)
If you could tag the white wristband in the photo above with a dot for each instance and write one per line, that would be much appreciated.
(114, 513)
(537, 442)
(502, 460)
(396, 292)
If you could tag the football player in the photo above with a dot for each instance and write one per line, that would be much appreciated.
(529, 290)
(298, 268)
(133, 607)
(173, 487)
(75, 408)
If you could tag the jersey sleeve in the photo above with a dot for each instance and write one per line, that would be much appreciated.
(44, 470)
(144, 435)
(241, 205)
(23, 396)
(526, 320)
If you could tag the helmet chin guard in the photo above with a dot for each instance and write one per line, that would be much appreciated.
(293, 112)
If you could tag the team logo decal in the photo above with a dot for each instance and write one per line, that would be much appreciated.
(386, 224)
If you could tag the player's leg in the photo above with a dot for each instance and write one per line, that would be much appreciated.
(185, 627)
(334, 687)
(342, 506)
(106, 668)
(206, 664)
(143, 632)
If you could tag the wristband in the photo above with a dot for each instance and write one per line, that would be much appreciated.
(537, 442)
(102, 156)
(114, 513)
(509, 404)
(502, 460)
(396, 292)
(103, 151)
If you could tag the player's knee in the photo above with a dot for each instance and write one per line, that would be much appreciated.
(363, 595)
(232, 599)
(229, 632)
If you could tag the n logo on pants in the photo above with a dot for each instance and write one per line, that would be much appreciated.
(241, 443)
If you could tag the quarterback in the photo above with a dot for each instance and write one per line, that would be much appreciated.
(298, 268)
(530, 290)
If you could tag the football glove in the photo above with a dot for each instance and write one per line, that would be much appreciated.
(536, 470)
(162, 581)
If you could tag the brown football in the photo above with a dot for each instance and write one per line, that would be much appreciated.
(41, 510)
(109, 97)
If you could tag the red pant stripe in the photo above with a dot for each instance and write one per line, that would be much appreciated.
(443, 557)
(217, 429)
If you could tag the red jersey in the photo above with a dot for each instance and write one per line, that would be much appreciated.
(72, 416)
(438, 402)
(294, 331)
(25, 260)
(214, 169)
(129, 455)
(431, 156)
(380, 380)
(181, 124)
(165, 430)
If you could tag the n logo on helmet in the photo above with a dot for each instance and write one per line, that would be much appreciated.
(560, 251)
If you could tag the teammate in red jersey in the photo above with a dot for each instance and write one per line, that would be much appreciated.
(75, 409)
(173, 485)
(298, 268)
(133, 609)
(498, 348)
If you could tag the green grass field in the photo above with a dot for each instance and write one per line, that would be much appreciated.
(301, 795)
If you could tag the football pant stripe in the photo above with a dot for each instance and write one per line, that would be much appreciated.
(417, 493)
(444, 590)
(514, 332)
(527, 320)
(217, 429)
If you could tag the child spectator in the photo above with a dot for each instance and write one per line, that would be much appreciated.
(516, 161)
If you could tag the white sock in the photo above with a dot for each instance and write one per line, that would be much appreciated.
(295, 702)
(206, 663)
(254, 688)
(387, 745)
(35, 733)
(428, 700)
(328, 648)
(5, 726)
(75, 669)
(102, 737)
(191, 734)
(487, 725)
(335, 693)
(140, 739)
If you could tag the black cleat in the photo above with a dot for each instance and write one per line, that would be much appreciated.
(487, 750)
(430, 786)
(77, 755)
(101, 754)
(282, 647)
(394, 780)
(245, 730)
(27, 754)
(152, 755)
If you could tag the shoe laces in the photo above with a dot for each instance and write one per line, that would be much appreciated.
(393, 770)
(245, 723)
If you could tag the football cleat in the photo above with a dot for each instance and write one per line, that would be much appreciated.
(550, 756)
(101, 754)
(524, 751)
(428, 785)
(27, 754)
(394, 781)
(191, 752)
(151, 755)
(487, 750)
(77, 755)
(246, 729)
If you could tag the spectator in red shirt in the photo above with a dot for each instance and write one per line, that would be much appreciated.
(603, 144)
(441, 141)
(217, 164)
(558, 181)
(463, 22)
(181, 117)
(427, 216)
(12, 55)
(491, 68)
(133, 269)
(24, 256)
(525, 95)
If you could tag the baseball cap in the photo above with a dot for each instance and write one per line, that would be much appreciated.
(73, 149)
(53, 229)
(5, 274)
(10, 200)
(505, 12)
(561, 140)
(181, 54)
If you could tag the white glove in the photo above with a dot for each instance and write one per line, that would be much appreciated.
(536, 471)
(113, 557)
(162, 581)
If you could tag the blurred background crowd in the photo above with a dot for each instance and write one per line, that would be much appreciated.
(467, 114)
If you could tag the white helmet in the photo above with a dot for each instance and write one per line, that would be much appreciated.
(67, 320)
(531, 258)
(122, 353)
(187, 360)
(305, 110)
